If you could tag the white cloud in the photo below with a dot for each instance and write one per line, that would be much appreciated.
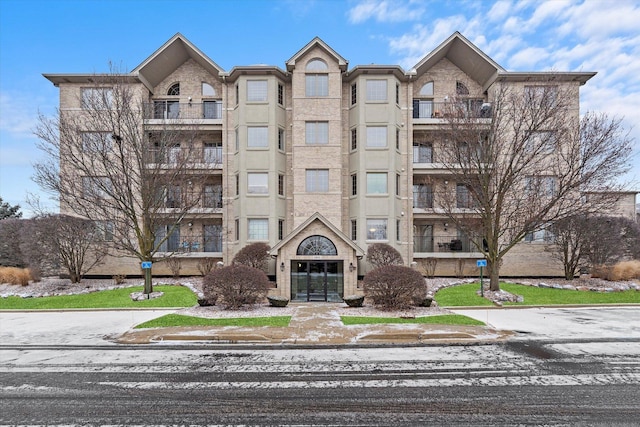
(18, 116)
(528, 58)
(386, 11)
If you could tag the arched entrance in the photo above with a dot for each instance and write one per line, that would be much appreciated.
(320, 278)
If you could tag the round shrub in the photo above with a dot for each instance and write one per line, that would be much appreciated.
(394, 287)
(381, 254)
(235, 285)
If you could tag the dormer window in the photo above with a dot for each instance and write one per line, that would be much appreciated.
(317, 65)
(174, 89)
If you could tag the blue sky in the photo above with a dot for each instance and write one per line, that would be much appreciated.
(82, 36)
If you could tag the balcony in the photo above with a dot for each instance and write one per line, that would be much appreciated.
(168, 110)
(209, 157)
(209, 200)
(194, 243)
(445, 245)
(428, 111)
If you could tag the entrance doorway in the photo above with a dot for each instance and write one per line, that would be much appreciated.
(317, 281)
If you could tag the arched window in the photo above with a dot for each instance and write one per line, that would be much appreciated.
(174, 89)
(208, 90)
(317, 65)
(317, 245)
(427, 89)
(461, 89)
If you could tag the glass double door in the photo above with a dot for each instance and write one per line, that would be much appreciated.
(317, 281)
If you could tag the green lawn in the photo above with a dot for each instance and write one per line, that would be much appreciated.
(180, 320)
(465, 295)
(174, 296)
(446, 319)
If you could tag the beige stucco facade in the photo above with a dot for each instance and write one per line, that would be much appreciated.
(319, 149)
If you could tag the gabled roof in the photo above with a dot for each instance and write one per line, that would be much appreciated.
(317, 42)
(465, 55)
(169, 57)
(317, 217)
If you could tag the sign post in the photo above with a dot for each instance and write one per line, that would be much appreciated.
(481, 263)
(146, 266)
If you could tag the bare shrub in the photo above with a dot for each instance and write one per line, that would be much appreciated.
(427, 267)
(175, 265)
(625, 270)
(205, 265)
(236, 285)
(119, 279)
(15, 275)
(254, 255)
(381, 254)
(393, 287)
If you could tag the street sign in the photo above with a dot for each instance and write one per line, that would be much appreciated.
(481, 263)
(146, 264)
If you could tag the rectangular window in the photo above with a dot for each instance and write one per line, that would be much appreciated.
(542, 96)
(317, 180)
(376, 229)
(423, 109)
(398, 230)
(281, 185)
(96, 187)
(172, 196)
(422, 153)
(397, 139)
(236, 226)
(213, 153)
(237, 94)
(237, 184)
(354, 184)
(354, 229)
(376, 90)
(281, 140)
(212, 109)
(376, 183)
(464, 197)
(166, 109)
(212, 196)
(257, 137)
(256, 90)
(354, 138)
(104, 230)
(170, 243)
(397, 94)
(237, 139)
(258, 183)
(542, 142)
(541, 186)
(354, 94)
(96, 98)
(280, 229)
(258, 229)
(280, 94)
(212, 238)
(397, 184)
(376, 136)
(422, 196)
(317, 85)
(544, 235)
(317, 132)
(96, 142)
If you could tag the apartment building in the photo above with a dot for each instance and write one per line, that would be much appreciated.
(320, 160)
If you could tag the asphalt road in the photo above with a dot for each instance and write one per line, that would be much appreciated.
(550, 382)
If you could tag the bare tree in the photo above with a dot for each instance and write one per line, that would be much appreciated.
(8, 211)
(105, 164)
(527, 165)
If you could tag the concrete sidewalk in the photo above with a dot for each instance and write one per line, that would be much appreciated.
(317, 324)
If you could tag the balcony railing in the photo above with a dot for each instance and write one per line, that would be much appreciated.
(174, 110)
(208, 242)
(208, 198)
(211, 156)
(470, 108)
(444, 244)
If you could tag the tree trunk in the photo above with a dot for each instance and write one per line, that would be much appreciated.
(494, 275)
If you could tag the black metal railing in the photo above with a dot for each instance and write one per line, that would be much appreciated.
(448, 243)
(175, 110)
(471, 108)
(187, 243)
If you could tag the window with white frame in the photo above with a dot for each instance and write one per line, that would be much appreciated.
(464, 197)
(174, 89)
(543, 142)
(96, 98)
(376, 183)
(354, 93)
(212, 153)
(376, 229)
(258, 229)
(170, 243)
(281, 139)
(257, 183)
(354, 229)
(376, 136)
(422, 152)
(354, 184)
(354, 139)
(212, 196)
(317, 180)
(257, 90)
(208, 90)
(317, 132)
(543, 235)
(280, 94)
(105, 230)
(257, 137)
(317, 79)
(376, 90)
(280, 185)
